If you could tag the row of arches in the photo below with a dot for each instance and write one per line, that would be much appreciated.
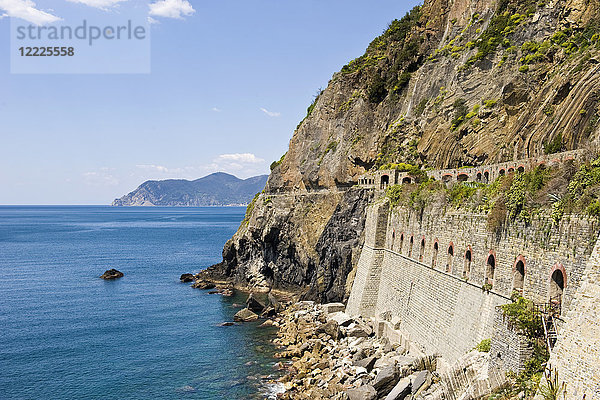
(558, 275)
(366, 181)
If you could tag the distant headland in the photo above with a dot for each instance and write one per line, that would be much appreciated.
(218, 189)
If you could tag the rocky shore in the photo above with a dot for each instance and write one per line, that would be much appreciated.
(327, 354)
(330, 355)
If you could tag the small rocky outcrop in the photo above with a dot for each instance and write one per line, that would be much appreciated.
(202, 284)
(245, 315)
(111, 274)
(186, 278)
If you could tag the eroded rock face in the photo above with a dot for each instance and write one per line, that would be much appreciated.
(304, 231)
(111, 274)
(306, 241)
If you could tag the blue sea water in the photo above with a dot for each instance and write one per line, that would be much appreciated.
(67, 334)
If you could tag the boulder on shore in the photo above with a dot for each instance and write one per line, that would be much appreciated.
(111, 274)
(186, 278)
(200, 284)
(245, 315)
(366, 392)
(254, 305)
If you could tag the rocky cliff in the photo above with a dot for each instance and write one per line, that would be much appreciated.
(453, 83)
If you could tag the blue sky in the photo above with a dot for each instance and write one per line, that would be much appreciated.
(229, 82)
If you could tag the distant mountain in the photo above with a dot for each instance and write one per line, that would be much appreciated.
(218, 189)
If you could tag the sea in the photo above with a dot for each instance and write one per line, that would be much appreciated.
(67, 334)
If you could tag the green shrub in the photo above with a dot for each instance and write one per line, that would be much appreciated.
(525, 316)
(484, 346)
(460, 112)
(376, 90)
(461, 192)
(555, 145)
(249, 210)
(421, 107)
(276, 164)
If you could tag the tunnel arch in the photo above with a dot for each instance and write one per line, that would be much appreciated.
(385, 181)
(450, 258)
(490, 268)
(436, 247)
(558, 283)
(519, 275)
(468, 261)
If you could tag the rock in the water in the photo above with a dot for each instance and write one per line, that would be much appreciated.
(267, 323)
(111, 274)
(254, 305)
(227, 324)
(400, 391)
(186, 278)
(366, 392)
(201, 284)
(245, 315)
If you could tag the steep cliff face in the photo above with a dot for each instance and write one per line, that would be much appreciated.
(453, 83)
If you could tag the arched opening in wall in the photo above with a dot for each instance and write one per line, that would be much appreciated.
(450, 257)
(462, 177)
(422, 250)
(479, 177)
(385, 181)
(393, 239)
(468, 259)
(502, 172)
(511, 170)
(558, 281)
(490, 269)
(446, 178)
(410, 245)
(521, 169)
(435, 253)
(401, 242)
(486, 176)
(519, 275)
(406, 180)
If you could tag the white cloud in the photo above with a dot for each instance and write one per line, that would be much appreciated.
(171, 9)
(153, 21)
(246, 158)
(102, 4)
(215, 109)
(158, 168)
(242, 165)
(270, 113)
(26, 9)
(103, 177)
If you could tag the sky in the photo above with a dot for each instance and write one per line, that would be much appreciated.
(229, 81)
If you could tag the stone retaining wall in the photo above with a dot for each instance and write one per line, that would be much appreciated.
(439, 298)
